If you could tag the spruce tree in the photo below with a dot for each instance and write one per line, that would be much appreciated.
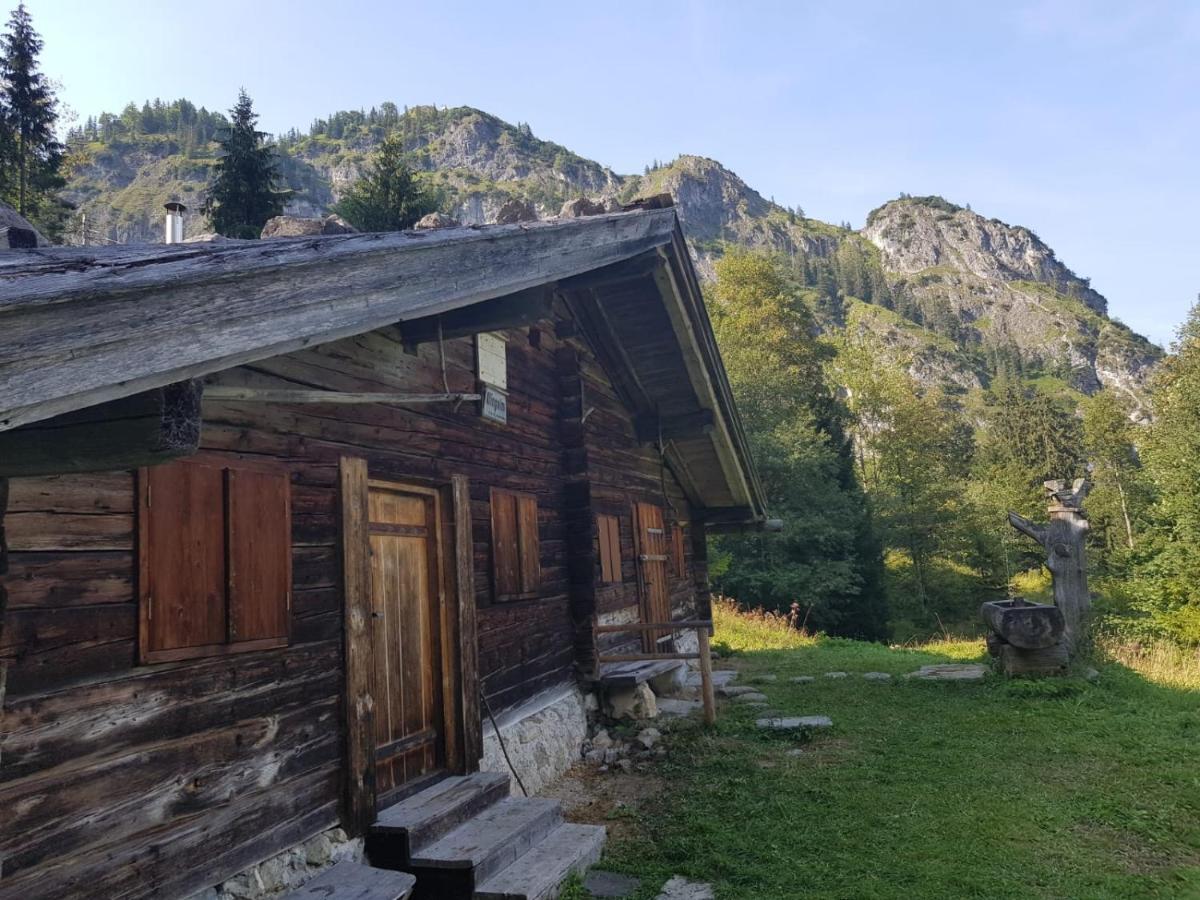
(31, 153)
(243, 195)
(388, 197)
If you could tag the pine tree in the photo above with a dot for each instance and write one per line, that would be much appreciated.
(244, 194)
(32, 154)
(388, 197)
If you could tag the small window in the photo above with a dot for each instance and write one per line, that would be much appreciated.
(215, 559)
(516, 566)
(679, 558)
(608, 529)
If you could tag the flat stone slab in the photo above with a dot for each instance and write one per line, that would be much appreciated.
(720, 678)
(610, 884)
(674, 707)
(802, 679)
(751, 697)
(951, 672)
(735, 690)
(763, 679)
(877, 676)
(679, 888)
(835, 675)
(795, 723)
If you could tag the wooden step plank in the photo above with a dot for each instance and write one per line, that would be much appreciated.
(354, 881)
(492, 840)
(631, 674)
(540, 873)
(417, 821)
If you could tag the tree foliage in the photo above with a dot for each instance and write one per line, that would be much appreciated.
(243, 195)
(827, 560)
(30, 153)
(389, 196)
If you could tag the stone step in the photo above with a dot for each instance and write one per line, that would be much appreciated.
(354, 881)
(458, 863)
(539, 874)
(419, 820)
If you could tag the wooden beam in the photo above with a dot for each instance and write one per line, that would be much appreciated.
(281, 395)
(626, 270)
(650, 427)
(464, 557)
(141, 430)
(512, 311)
(80, 327)
(360, 707)
(654, 626)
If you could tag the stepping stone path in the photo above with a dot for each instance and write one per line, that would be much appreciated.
(764, 679)
(796, 751)
(736, 690)
(674, 708)
(750, 697)
(803, 679)
(951, 672)
(610, 884)
(877, 676)
(795, 723)
(835, 674)
(720, 678)
(679, 888)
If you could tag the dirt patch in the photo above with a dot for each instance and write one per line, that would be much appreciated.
(604, 798)
(1133, 853)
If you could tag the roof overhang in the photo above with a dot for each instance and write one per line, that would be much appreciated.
(84, 326)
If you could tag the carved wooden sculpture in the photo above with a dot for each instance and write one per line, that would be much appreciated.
(1063, 539)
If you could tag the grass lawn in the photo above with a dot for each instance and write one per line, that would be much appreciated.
(1032, 789)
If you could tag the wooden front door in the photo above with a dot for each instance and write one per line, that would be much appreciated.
(652, 573)
(406, 594)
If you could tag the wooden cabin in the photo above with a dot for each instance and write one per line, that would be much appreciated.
(278, 514)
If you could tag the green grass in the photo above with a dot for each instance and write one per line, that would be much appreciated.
(1058, 788)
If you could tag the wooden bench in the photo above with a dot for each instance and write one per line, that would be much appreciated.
(355, 881)
(631, 674)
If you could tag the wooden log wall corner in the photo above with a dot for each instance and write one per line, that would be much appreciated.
(139, 430)
(464, 561)
(360, 707)
(3, 597)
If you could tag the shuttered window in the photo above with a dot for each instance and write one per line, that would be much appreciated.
(608, 530)
(678, 557)
(215, 569)
(516, 565)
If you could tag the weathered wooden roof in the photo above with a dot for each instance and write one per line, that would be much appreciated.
(81, 326)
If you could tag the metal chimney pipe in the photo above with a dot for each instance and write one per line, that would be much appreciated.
(173, 232)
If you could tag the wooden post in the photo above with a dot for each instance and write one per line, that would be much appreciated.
(464, 562)
(1064, 541)
(360, 707)
(706, 685)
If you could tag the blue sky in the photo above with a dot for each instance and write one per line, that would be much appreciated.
(1078, 119)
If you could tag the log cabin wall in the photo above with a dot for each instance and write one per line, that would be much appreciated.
(129, 780)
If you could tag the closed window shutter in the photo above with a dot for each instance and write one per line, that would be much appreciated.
(609, 533)
(182, 549)
(260, 557)
(527, 535)
(505, 556)
(679, 554)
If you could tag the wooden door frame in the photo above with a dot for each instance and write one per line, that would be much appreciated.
(459, 651)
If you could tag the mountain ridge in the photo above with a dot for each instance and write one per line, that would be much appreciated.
(939, 271)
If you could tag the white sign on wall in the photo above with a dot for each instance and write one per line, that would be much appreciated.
(495, 405)
(491, 353)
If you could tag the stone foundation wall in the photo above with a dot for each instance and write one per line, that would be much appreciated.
(543, 737)
(288, 870)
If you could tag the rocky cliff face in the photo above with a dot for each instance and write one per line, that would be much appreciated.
(1010, 294)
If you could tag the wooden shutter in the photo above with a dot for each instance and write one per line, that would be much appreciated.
(181, 543)
(677, 552)
(609, 534)
(260, 555)
(516, 565)
(527, 536)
